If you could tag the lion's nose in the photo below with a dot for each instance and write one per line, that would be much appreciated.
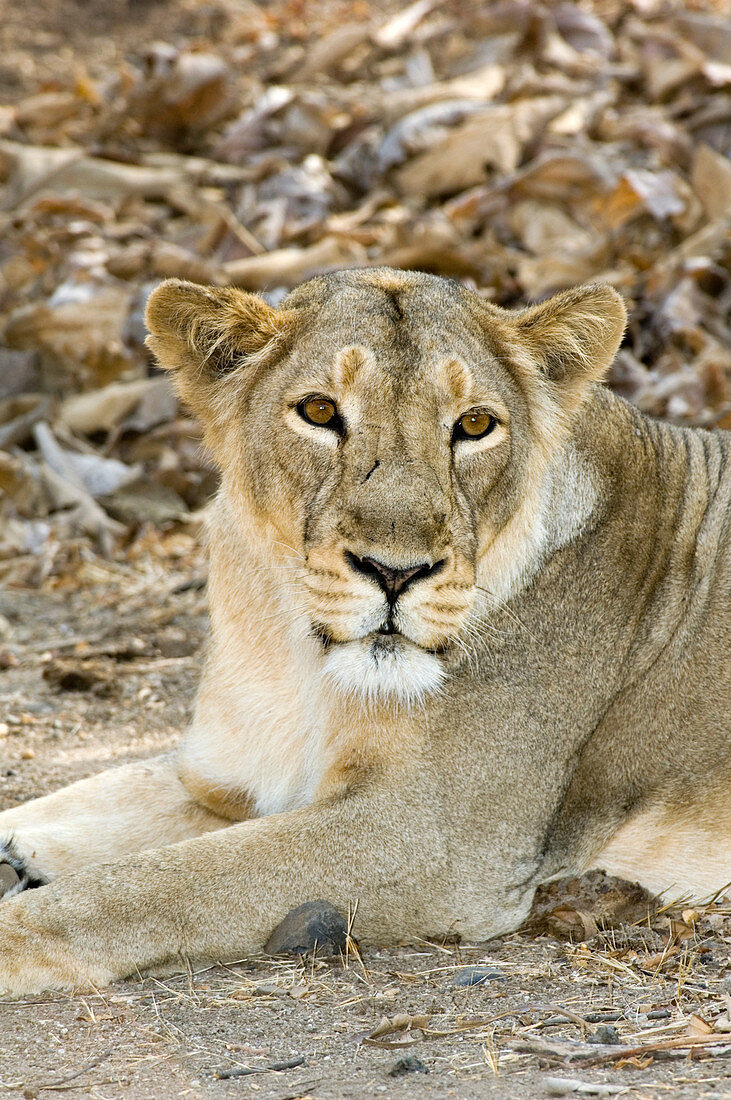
(392, 581)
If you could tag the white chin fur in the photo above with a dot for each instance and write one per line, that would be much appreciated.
(383, 671)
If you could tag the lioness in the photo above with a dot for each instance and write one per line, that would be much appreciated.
(470, 632)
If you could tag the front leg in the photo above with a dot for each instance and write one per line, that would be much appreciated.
(219, 896)
(109, 816)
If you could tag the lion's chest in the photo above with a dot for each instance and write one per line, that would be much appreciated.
(255, 742)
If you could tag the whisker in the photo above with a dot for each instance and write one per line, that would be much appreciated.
(477, 625)
(276, 542)
(285, 613)
(507, 609)
(338, 605)
(458, 586)
(446, 610)
(468, 651)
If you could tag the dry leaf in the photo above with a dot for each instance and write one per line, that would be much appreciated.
(722, 1023)
(394, 32)
(290, 265)
(698, 1026)
(106, 408)
(711, 181)
(493, 138)
(403, 1029)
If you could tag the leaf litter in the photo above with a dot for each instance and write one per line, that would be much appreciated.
(520, 148)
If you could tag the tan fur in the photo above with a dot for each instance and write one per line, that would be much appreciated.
(682, 855)
(551, 692)
(393, 282)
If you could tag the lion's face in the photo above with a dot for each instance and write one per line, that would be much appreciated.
(386, 438)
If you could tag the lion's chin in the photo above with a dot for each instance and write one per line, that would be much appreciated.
(385, 668)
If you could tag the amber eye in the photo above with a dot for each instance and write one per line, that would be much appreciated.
(474, 425)
(320, 411)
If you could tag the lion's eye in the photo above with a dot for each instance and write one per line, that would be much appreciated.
(474, 425)
(320, 411)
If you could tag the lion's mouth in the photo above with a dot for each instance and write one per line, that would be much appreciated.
(381, 643)
(385, 639)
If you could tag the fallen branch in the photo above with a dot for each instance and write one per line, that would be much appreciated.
(588, 1054)
(63, 1081)
(244, 1071)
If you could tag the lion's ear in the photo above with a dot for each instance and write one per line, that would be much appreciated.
(204, 333)
(575, 336)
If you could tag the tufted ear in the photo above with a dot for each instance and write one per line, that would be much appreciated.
(575, 336)
(206, 333)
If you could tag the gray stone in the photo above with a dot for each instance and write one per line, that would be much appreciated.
(316, 925)
(605, 1033)
(477, 975)
(409, 1064)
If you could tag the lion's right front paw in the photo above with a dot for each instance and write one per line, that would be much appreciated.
(34, 956)
(15, 873)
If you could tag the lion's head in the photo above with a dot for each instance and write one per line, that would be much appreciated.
(387, 439)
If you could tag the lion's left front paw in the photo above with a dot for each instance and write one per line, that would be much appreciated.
(9, 881)
(16, 875)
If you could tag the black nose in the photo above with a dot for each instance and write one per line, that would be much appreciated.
(392, 581)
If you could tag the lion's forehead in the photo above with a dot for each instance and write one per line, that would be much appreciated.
(392, 312)
(370, 282)
(417, 353)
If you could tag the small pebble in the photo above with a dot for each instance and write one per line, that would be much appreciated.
(409, 1064)
(27, 754)
(476, 975)
(605, 1033)
(4, 729)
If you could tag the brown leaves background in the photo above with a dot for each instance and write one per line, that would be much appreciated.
(519, 147)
